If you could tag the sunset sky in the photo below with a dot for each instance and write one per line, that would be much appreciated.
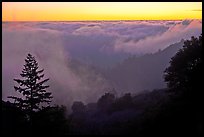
(68, 11)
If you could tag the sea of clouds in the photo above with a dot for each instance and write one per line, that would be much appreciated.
(95, 42)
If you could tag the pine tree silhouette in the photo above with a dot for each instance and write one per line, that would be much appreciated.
(33, 90)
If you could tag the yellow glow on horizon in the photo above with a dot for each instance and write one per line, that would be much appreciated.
(68, 11)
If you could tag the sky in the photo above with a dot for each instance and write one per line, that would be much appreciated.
(75, 11)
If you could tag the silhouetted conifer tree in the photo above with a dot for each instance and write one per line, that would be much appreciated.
(33, 90)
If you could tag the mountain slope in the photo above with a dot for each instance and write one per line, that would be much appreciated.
(142, 73)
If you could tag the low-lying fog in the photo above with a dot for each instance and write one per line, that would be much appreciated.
(85, 59)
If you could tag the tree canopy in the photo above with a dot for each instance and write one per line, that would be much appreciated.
(185, 67)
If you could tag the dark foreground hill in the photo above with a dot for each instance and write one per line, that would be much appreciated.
(152, 113)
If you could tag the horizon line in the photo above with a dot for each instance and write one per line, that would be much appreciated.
(100, 20)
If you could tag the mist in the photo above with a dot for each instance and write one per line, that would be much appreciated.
(46, 46)
(159, 41)
(100, 44)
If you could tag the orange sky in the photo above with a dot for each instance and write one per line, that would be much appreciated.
(67, 11)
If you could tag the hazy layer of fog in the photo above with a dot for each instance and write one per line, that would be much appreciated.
(99, 43)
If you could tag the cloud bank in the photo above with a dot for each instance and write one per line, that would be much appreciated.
(98, 43)
(152, 43)
(47, 47)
